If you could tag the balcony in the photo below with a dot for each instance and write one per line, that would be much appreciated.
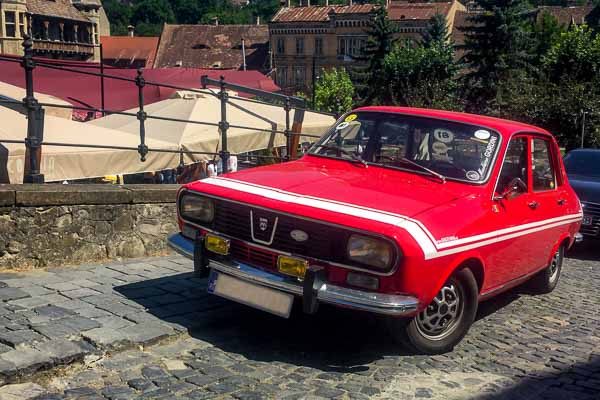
(51, 46)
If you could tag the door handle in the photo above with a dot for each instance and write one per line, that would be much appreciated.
(561, 202)
(533, 205)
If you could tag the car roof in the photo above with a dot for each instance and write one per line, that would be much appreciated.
(504, 126)
(584, 151)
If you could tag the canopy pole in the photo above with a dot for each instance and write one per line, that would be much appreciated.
(35, 119)
(224, 125)
(141, 115)
(288, 144)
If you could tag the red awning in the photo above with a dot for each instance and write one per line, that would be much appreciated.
(84, 90)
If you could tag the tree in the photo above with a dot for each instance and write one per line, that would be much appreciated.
(495, 45)
(371, 79)
(546, 30)
(437, 31)
(575, 55)
(334, 91)
(593, 18)
(149, 16)
(119, 16)
(422, 76)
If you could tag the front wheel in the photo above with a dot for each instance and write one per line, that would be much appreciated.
(446, 320)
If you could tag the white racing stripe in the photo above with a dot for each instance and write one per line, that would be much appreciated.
(416, 229)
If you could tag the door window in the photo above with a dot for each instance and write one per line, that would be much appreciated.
(515, 164)
(541, 164)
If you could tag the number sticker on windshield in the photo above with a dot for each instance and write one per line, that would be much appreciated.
(482, 134)
(443, 135)
(351, 118)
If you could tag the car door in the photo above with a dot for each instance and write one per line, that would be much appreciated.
(513, 255)
(547, 201)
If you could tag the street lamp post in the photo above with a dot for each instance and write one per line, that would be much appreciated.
(582, 126)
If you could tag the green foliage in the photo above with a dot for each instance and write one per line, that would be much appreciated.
(545, 31)
(381, 40)
(437, 30)
(334, 92)
(149, 16)
(495, 44)
(119, 16)
(422, 76)
(575, 55)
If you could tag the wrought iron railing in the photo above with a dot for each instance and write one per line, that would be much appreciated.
(35, 115)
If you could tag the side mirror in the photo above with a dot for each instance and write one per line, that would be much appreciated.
(513, 189)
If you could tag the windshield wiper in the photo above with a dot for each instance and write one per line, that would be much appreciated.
(348, 153)
(431, 172)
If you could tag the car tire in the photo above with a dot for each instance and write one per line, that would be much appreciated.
(546, 280)
(444, 323)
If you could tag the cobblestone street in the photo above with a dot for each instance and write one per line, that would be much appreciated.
(147, 330)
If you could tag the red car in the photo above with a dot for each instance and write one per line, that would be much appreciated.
(414, 214)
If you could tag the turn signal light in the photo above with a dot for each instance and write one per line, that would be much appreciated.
(362, 280)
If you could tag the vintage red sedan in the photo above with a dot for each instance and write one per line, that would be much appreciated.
(410, 213)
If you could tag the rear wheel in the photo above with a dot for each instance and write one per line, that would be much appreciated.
(446, 320)
(547, 279)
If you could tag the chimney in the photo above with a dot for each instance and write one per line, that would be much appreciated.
(130, 30)
(349, 2)
(215, 21)
(258, 20)
(326, 3)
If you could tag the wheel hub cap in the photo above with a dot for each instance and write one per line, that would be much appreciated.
(439, 319)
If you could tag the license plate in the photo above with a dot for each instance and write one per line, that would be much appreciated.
(587, 220)
(292, 266)
(260, 297)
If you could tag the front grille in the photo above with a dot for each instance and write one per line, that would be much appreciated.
(253, 256)
(592, 210)
(324, 241)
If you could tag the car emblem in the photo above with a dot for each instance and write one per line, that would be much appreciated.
(298, 235)
(263, 224)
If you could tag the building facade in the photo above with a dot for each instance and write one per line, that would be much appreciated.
(412, 19)
(61, 29)
(305, 40)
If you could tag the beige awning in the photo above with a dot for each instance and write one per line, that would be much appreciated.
(207, 108)
(64, 163)
(17, 93)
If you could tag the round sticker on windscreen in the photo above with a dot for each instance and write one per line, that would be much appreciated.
(482, 134)
(351, 117)
(443, 135)
(341, 126)
(473, 175)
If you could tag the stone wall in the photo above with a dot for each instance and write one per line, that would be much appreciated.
(51, 225)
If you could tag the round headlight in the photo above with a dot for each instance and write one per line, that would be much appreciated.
(196, 208)
(370, 251)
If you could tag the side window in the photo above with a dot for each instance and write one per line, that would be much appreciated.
(515, 163)
(542, 167)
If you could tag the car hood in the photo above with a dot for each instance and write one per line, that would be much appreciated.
(383, 189)
(586, 187)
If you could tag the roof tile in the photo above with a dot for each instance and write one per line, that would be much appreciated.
(318, 13)
(56, 8)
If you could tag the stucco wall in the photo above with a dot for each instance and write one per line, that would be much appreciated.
(51, 225)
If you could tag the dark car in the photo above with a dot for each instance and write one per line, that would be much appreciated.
(583, 169)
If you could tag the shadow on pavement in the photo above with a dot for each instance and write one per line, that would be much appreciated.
(588, 250)
(332, 340)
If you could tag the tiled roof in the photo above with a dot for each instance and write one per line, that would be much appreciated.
(564, 15)
(318, 13)
(416, 11)
(209, 46)
(56, 8)
(129, 48)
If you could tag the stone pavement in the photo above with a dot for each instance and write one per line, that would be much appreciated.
(147, 330)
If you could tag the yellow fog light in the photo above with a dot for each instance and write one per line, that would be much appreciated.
(292, 266)
(216, 244)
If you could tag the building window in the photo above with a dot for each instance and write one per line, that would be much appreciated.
(95, 30)
(351, 46)
(318, 46)
(282, 76)
(22, 24)
(10, 23)
(299, 76)
(299, 45)
(280, 46)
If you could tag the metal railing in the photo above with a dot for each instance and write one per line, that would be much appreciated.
(35, 115)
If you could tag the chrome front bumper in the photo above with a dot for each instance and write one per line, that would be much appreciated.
(380, 303)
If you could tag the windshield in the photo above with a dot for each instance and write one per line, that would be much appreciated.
(454, 150)
(583, 163)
